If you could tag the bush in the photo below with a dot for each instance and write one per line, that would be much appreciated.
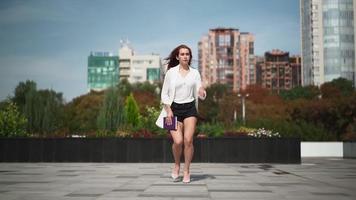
(245, 129)
(104, 133)
(12, 122)
(143, 133)
(301, 129)
(149, 121)
(312, 132)
(263, 133)
(211, 130)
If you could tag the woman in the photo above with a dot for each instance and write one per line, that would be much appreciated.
(181, 88)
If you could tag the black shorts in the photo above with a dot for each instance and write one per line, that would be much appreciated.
(184, 110)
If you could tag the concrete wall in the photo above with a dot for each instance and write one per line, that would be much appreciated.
(322, 149)
(221, 150)
(349, 149)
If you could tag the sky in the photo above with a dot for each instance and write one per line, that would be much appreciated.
(49, 41)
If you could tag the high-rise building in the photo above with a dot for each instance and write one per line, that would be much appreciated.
(203, 61)
(260, 60)
(103, 70)
(328, 40)
(296, 65)
(125, 54)
(279, 71)
(138, 68)
(276, 71)
(145, 68)
(226, 56)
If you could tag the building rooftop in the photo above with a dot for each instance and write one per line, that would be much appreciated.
(277, 52)
(224, 29)
(101, 53)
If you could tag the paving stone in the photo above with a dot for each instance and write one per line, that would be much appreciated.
(314, 178)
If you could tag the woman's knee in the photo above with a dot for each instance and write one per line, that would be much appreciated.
(188, 141)
(178, 142)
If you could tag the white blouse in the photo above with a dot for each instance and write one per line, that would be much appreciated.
(178, 88)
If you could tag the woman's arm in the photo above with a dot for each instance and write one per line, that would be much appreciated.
(165, 90)
(201, 90)
(202, 93)
(165, 97)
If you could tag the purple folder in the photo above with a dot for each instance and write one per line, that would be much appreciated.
(172, 126)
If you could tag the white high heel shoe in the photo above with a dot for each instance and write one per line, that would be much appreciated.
(175, 177)
(186, 180)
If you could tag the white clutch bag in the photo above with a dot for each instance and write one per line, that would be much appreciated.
(159, 121)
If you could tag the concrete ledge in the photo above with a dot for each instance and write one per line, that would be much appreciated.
(349, 149)
(322, 149)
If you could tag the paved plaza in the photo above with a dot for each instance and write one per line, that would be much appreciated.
(314, 178)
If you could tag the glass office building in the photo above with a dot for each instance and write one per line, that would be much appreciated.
(328, 40)
(103, 70)
(153, 74)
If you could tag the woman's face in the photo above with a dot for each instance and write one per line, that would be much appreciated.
(183, 56)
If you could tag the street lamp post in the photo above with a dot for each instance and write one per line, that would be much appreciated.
(243, 99)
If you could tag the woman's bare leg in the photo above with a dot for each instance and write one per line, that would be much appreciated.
(177, 147)
(189, 129)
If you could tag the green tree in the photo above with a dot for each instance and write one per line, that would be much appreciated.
(32, 110)
(111, 113)
(333, 114)
(336, 88)
(21, 91)
(53, 115)
(82, 112)
(124, 88)
(209, 108)
(132, 112)
(146, 86)
(146, 99)
(307, 92)
(12, 122)
(44, 111)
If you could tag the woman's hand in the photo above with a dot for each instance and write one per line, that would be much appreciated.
(202, 93)
(169, 116)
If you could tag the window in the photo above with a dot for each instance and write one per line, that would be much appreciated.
(224, 40)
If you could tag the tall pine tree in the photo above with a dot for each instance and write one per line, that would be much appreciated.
(111, 115)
